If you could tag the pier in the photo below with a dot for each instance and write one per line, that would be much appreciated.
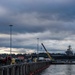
(24, 68)
(33, 68)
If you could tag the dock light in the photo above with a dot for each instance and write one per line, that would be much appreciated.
(10, 38)
(37, 49)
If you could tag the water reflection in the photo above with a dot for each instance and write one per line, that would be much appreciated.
(59, 70)
(55, 70)
(68, 69)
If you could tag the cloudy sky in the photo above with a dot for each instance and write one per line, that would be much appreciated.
(52, 21)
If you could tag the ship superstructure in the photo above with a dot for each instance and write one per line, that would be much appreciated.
(69, 52)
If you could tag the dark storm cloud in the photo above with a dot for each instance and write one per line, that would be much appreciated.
(18, 43)
(60, 11)
(46, 19)
(4, 43)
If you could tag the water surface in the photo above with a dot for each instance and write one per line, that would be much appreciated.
(59, 70)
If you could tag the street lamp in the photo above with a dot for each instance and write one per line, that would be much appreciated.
(37, 48)
(10, 38)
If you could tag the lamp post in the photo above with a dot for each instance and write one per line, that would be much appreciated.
(10, 38)
(37, 48)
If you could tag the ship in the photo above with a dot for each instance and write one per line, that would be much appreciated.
(67, 56)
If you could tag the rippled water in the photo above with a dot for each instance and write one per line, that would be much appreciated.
(59, 70)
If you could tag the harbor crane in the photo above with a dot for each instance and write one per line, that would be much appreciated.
(47, 52)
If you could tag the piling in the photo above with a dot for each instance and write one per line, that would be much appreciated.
(24, 68)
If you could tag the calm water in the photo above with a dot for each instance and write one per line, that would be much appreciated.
(59, 70)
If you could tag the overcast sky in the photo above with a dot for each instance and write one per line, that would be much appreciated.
(52, 21)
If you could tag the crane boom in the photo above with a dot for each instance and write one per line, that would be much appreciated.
(46, 51)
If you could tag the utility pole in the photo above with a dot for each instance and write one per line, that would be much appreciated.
(37, 49)
(10, 38)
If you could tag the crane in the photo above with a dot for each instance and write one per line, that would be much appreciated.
(47, 52)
